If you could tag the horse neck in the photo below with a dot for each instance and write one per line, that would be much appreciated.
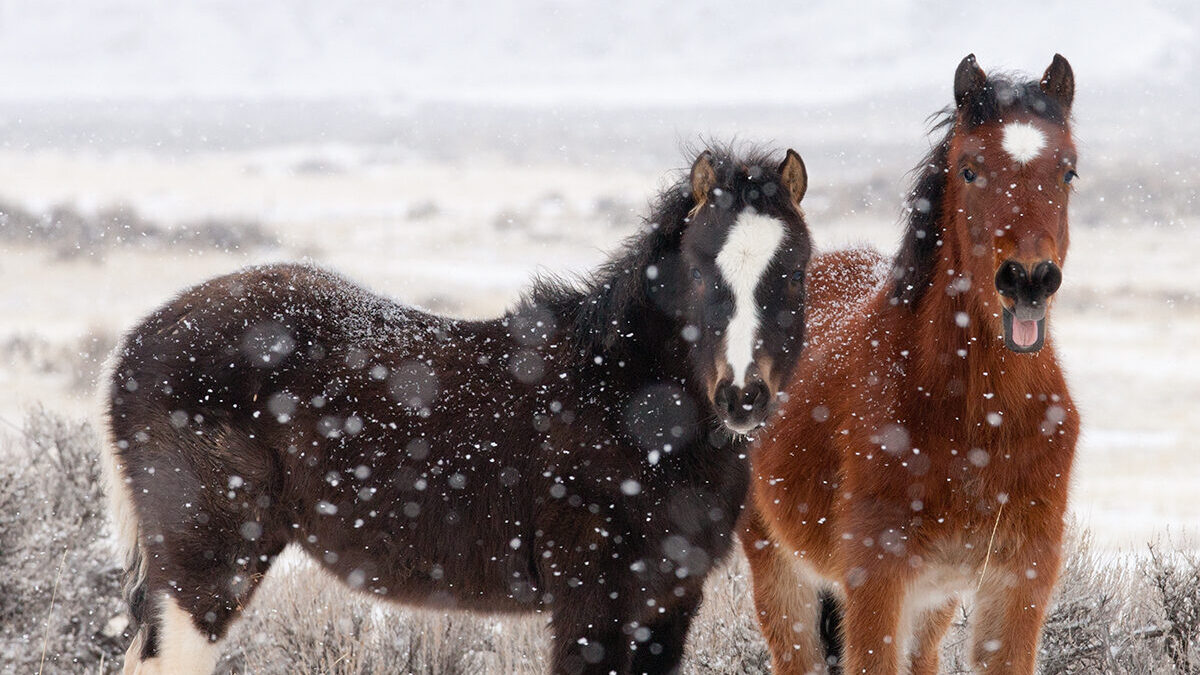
(618, 333)
(658, 347)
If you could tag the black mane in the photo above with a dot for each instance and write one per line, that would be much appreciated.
(599, 305)
(913, 266)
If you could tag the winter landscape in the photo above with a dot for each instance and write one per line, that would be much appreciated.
(445, 154)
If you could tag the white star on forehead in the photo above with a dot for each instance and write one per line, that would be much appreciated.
(1023, 141)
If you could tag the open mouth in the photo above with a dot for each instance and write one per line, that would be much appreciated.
(1023, 335)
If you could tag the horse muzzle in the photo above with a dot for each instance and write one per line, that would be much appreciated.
(1029, 287)
(743, 409)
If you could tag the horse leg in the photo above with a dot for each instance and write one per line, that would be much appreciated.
(665, 637)
(178, 643)
(931, 627)
(786, 601)
(201, 558)
(1008, 618)
(871, 623)
(587, 633)
(197, 600)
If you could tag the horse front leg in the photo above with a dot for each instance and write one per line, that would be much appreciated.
(787, 602)
(661, 640)
(588, 632)
(875, 592)
(1010, 609)
(929, 628)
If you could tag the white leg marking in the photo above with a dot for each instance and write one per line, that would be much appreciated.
(1023, 141)
(748, 250)
(182, 649)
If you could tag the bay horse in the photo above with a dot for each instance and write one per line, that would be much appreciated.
(926, 446)
(583, 455)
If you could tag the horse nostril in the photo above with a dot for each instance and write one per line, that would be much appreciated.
(749, 397)
(1010, 278)
(724, 400)
(1047, 278)
(756, 398)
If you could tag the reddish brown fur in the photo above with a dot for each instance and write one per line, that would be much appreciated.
(903, 529)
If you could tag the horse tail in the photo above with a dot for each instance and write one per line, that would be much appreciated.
(127, 527)
(831, 627)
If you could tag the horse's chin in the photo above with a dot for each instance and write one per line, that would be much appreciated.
(1023, 336)
(746, 429)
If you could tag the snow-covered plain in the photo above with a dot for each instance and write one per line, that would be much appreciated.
(445, 153)
(464, 238)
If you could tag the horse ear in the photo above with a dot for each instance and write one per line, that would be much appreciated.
(794, 176)
(968, 79)
(704, 178)
(1059, 82)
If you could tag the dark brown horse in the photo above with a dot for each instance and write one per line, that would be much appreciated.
(582, 455)
(926, 446)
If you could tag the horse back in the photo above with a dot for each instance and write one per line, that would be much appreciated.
(285, 404)
(840, 284)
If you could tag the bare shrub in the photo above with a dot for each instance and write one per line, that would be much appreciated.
(221, 234)
(59, 586)
(1083, 627)
(1174, 576)
(423, 210)
(303, 620)
(70, 233)
(616, 211)
(78, 361)
(88, 357)
(509, 219)
(60, 596)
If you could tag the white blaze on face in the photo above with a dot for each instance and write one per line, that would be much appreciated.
(743, 260)
(1023, 141)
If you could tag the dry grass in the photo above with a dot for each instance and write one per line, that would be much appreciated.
(303, 621)
(1112, 614)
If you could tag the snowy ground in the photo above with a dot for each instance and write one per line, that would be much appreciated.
(462, 234)
(444, 152)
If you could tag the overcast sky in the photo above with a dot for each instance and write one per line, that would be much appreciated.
(617, 52)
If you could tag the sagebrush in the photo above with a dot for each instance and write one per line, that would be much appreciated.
(61, 612)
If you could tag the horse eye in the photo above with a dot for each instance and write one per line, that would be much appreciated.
(1070, 176)
(969, 175)
(797, 276)
(696, 273)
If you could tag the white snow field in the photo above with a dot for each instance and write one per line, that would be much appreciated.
(464, 237)
(444, 152)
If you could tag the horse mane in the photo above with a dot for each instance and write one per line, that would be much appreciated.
(1003, 95)
(598, 305)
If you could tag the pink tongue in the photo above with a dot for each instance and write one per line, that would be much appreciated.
(1024, 333)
